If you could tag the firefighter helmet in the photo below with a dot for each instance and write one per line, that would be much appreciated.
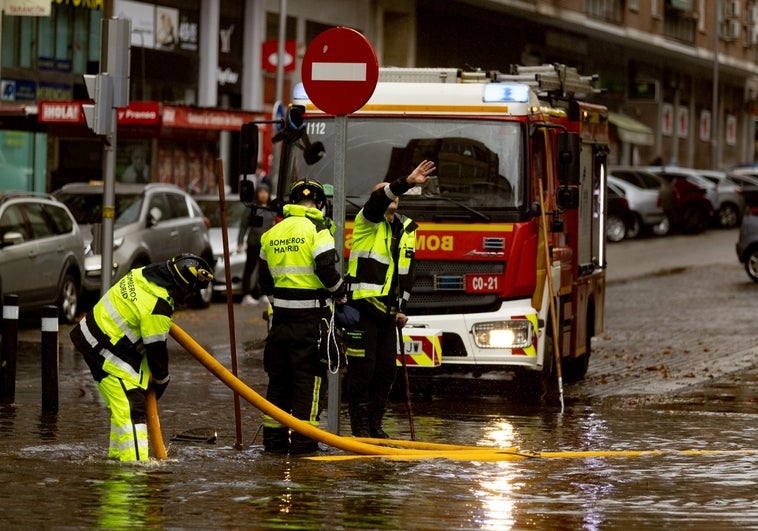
(190, 271)
(307, 189)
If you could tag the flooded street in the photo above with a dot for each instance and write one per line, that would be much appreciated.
(647, 389)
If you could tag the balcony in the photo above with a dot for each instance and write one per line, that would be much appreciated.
(679, 25)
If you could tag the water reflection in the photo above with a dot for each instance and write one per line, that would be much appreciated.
(129, 497)
(498, 497)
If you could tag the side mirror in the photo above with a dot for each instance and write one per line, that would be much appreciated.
(154, 216)
(568, 147)
(11, 238)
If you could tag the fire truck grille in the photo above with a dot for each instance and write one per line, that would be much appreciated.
(440, 287)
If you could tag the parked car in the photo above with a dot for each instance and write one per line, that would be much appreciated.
(211, 207)
(152, 222)
(41, 253)
(619, 217)
(747, 244)
(747, 179)
(730, 206)
(687, 198)
(642, 191)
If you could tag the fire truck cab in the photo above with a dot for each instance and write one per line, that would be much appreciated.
(514, 215)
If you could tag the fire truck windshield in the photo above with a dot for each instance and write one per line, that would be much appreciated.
(480, 163)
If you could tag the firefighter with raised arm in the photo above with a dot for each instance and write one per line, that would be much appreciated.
(380, 275)
(298, 267)
(123, 340)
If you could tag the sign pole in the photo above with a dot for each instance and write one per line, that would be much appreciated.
(338, 205)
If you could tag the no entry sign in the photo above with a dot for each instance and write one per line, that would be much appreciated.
(340, 71)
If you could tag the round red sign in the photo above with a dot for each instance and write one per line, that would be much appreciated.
(340, 71)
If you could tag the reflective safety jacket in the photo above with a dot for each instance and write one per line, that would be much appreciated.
(297, 264)
(134, 312)
(380, 267)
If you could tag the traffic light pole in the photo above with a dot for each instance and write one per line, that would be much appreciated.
(109, 205)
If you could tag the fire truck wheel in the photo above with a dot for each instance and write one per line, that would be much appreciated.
(540, 385)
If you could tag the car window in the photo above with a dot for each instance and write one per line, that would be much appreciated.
(87, 208)
(627, 176)
(212, 210)
(62, 223)
(38, 220)
(177, 206)
(159, 201)
(13, 220)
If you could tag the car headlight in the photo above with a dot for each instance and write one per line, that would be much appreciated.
(514, 333)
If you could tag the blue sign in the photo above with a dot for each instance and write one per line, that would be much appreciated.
(278, 114)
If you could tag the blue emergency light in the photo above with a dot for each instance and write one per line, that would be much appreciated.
(505, 92)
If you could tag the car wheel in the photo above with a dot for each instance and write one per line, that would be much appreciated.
(615, 229)
(68, 299)
(635, 228)
(662, 227)
(729, 216)
(694, 219)
(751, 264)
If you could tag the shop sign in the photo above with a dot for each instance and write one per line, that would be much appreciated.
(18, 90)
(61, 112)
(28, 8)
(270, 51)
(205, 119)
(139, 113)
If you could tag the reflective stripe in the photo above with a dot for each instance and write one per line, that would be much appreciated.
(84, 326)
(336, 286)
(163, 380)
(404, 269)
(388, 192)
(371, 255)
(118, 320)
(298, 305)
(367, 286)
(117, 362)
(313, 419)
(291, 270)
(323, 249)
(270, 422)
(155, 338)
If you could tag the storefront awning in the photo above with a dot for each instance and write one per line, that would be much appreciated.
(631, 130)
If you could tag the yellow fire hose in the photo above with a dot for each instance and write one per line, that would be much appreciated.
(392, 448)
(154, 434)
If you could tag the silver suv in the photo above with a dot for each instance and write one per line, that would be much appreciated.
(41, 253)
(153, 222)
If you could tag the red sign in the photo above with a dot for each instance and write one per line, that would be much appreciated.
(60, 112)
(140, 113)
(270, 51)
(340, 71)
(209, 119)
(485, 283)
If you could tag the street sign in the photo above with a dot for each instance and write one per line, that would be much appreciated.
(277, 114)
(340, 71)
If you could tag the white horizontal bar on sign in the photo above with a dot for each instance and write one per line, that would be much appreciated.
(338, 72)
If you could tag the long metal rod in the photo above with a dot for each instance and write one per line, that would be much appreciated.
(715, 102)
(408, 405)
(229, 299)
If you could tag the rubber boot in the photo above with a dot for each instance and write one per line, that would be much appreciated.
(376, 413)
(302, 445)
(359, 420)
(276, 440)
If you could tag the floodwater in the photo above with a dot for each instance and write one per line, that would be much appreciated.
(54, 474)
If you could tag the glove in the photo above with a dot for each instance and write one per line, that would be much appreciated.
(160, 389)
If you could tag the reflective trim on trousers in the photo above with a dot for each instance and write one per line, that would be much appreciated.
(128, 440)
(270, 422)
(298, 305)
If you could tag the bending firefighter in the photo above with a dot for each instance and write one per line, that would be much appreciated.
(297, 267)
(380, 275)
(123, 341)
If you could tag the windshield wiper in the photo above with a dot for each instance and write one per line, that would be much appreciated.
(467, 208)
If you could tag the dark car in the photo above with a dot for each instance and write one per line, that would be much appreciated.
(619, 218)
(685, 200)
(747, 244)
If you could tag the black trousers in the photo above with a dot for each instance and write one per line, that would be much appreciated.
(370, 377)
(296, 372)
(250, 273)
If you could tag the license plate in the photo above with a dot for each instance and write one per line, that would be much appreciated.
(485, 283)
(412, 347)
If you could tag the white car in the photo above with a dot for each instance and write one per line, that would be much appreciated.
(731, 201)
(642, 191)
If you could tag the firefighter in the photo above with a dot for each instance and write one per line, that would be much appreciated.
(123, 341)
(380, 275)
(297, 268)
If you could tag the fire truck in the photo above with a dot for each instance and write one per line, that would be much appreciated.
(510, 249)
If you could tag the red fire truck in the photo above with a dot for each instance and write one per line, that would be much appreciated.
(520, 184)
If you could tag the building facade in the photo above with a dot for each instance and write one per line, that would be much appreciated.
(200, 68)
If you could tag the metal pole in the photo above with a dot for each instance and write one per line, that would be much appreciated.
(50, 364)
(280, 50)
(340, 148)
(9, 350)
(715, 103)
(109, 202)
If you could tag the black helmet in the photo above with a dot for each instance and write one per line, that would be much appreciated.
(189, 271)
(307, 189)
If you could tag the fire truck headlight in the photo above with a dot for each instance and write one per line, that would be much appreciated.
(516, 333)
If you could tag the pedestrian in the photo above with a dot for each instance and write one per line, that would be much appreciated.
(139, 170)
(380, 277)
(298, 268)
(123, 341)
(252, 226)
